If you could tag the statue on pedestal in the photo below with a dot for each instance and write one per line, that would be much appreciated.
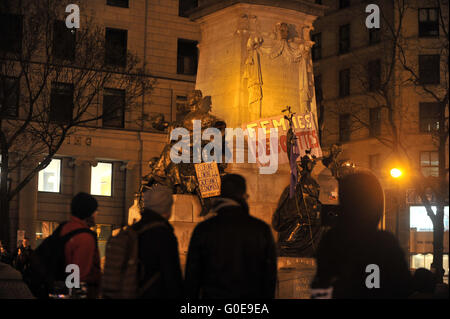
(182, 177)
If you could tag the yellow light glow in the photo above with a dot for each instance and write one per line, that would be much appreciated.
(396, 173)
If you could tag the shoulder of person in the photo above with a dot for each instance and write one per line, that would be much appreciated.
(386, 237)
(259, 223)
(7, 272)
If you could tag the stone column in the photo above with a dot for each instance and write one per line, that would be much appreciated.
(82, 176)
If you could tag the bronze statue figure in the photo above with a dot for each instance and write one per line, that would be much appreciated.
(182, 177)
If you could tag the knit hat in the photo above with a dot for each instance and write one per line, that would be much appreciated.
(83, 205)
(158, 198)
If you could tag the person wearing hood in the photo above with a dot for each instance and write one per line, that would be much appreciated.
(356, 260)
(231, 255)
(158, 247)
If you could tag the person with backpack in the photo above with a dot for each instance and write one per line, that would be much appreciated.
(72, 243)
(142, 261)
(231, 255)
(81, 249)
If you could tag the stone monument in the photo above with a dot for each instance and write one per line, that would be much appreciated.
(254, 60)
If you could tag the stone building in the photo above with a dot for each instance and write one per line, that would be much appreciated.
(351, 63)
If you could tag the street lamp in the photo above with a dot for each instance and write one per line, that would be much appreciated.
(396, 172)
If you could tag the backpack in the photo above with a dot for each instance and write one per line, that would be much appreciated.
(47, 262)
(122, 272)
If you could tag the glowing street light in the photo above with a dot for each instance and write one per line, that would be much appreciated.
(396, 173)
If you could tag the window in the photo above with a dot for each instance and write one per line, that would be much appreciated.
(344, 39)
(185, 6)
(429, 22)
(425, 261)
(429, 69)
(187, 57)
(317, 47)
(113, 108)
(318, 88)
(374, 35)
(9, 97)
(344, 127)
(429, 163)
(344, 82)
(117, 3)
(374, 75)
(49, 178)
(101, 179)
(418, 218)
(181, 107)
(11, 33)
(374, 162)
(63, 42)
(429, 116)
(344, 4)
(116, 47)
(61, 102)
(375, 121)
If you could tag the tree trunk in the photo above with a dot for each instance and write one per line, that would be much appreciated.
(438, 243)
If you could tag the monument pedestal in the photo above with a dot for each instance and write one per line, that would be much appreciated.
(294, 277)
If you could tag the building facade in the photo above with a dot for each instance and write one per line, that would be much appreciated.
(109, 157)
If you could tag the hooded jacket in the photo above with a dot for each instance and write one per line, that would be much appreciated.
(355, 254)
(231, 255)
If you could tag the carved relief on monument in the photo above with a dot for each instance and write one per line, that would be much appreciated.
(289, 42)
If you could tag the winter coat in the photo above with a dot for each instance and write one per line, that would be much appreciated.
(231, 255)
(159, 257)
(82, 250)
(342, 260)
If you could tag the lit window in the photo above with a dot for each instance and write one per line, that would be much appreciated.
(49, 178)
(429, 163)
(101, 179)
(424, 261)
(418, 218)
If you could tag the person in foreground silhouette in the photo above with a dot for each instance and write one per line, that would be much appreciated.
(349, 252)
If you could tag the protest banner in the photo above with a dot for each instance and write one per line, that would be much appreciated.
(208, 179)
(304, 129)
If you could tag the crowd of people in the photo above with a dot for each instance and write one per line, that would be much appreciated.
(232, 254)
